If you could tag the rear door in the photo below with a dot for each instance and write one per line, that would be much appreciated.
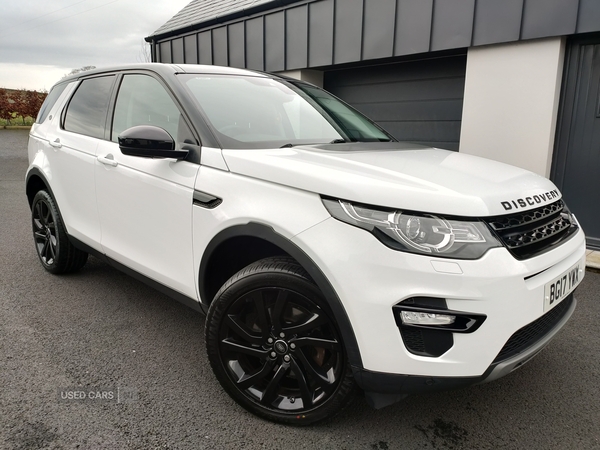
(145, 204)
(72, 140)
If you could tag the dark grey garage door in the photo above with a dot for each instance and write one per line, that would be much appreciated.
(576, 166)
(417, 101)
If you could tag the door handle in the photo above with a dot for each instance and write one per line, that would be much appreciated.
(56, 143)
(108, 160)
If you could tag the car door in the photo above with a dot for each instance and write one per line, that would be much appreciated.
(145, 204)
(72, 140)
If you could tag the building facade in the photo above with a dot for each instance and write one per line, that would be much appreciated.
(513, 80)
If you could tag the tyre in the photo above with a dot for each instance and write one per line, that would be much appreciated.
(274, 346)
(54, 249)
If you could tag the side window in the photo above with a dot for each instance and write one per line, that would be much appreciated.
(142, 100)
(87, 110)
(50, 101)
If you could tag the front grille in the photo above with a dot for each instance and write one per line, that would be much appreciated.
(536, 330)
(529, 233)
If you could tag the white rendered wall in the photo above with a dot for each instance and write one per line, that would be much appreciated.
(511, 102)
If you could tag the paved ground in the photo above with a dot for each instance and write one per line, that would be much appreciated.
(103, 329)
(593, 259)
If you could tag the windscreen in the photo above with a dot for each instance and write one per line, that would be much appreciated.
(259, 112)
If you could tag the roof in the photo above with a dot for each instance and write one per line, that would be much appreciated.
(278, 35)
(201, 11)
(165, 70)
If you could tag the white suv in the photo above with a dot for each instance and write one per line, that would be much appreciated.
(326, 253)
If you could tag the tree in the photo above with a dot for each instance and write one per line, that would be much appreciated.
(5, 106)
(145, 53)
(20, 103)
(32, 103)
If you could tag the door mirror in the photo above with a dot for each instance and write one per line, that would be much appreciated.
(149, 142)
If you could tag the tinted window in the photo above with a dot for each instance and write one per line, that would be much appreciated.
(86, 113)
(142, 100)
(50, 101)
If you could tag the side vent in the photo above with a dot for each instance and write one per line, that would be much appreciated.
(204, 200)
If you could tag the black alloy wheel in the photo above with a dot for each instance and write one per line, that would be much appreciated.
(275, 348)
(56, 253)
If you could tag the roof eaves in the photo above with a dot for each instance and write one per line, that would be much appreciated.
(248, 11)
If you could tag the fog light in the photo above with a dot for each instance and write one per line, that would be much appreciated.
(422, 318)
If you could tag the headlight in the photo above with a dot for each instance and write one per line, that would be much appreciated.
(424, 234)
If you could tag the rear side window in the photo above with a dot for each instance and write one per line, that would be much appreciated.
(87, 110)
(50, 101)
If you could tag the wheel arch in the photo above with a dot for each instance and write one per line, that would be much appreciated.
(34, 182)
(261, 241)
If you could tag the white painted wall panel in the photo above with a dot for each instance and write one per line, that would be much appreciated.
(511, 101)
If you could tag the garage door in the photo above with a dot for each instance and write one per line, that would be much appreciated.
(576, 165)
(418, 101)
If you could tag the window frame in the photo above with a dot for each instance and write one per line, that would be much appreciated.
(194, 149)
(119, 85)
(50, 101)
(111, 94)
(198, 128)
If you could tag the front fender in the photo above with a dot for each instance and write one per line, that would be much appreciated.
(266, 233)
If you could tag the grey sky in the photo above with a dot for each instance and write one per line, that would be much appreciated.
(42, 40)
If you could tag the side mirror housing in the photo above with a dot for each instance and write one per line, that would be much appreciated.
(149, 142)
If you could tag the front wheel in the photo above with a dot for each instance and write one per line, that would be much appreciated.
(275, 347)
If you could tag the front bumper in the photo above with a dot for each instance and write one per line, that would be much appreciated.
(383, 389)
(370, 279)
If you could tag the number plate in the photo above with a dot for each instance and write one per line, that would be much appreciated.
(563, 285)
